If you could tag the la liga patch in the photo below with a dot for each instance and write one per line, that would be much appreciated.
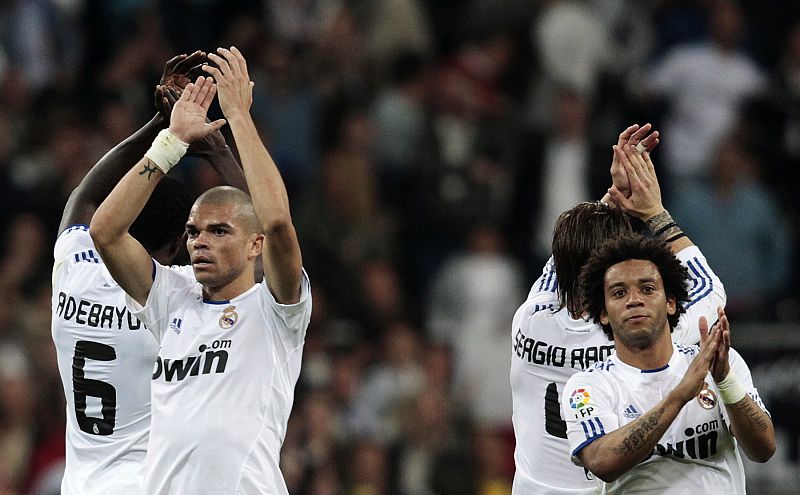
(579, 398)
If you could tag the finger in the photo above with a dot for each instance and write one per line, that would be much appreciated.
(192, 60)
(648, 140)
(637, 136)
(216, 125)
(195, 71)
(625, 159)
(241, 62)
(637, 163)
(173, 96)
(208, 96)
(203, 89)
(233, 61)
(702, 325)
(224, 66)
(188, 92)
(213, 71)
(626, 134)
(619, 198)
(169, 67)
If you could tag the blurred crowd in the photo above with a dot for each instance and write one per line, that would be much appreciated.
(427, 147)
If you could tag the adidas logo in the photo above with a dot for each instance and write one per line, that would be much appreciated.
(631, 412)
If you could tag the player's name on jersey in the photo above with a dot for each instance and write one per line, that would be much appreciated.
(179, 369)
(540, 352)
(96, 315)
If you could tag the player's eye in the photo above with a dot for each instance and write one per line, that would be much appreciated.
(191, 233)
(618, 293)
(219, 232)
(648, 289)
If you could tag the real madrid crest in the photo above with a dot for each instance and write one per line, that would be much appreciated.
(707, 398)
(229, 317)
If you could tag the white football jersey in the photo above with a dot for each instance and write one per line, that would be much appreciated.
(548, 347)
(105, 359)
(697, 453)
(222, 387)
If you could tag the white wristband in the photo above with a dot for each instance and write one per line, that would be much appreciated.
(731, 390)
(166, 150)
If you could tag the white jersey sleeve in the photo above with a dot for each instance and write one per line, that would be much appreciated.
(169, 283)
(544, 292)
(588, 409)
(706, 294)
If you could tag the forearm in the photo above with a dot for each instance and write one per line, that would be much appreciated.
(266, 186)
(617, 452)
(225, 164)
(119, 210)
(752, 428)
(102, 178)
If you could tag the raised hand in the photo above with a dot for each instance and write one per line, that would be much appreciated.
(644, 140)
(179, 71)
(694, 378)
(188, 119)
(233, 82)
(208, 145)
(720, 365)
(644, 200)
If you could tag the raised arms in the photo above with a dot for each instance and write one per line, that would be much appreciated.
(126, 259)
(281, 256)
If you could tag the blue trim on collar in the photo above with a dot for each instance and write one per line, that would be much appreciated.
(657, 369)
(206, 301)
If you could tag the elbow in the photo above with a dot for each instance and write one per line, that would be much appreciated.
(100, 232)
(604, 473)
(763, 452)
(602, 470)
(278, 224)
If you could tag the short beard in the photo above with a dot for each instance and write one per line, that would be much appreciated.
(638, 340)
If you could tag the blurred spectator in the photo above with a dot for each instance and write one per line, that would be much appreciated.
(472, 301)
(704, 86)
(744, 233)
(389, 385)
(574, 48)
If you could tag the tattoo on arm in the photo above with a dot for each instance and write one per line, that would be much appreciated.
(664, 227)
(639, 435)
(749, 410)
(148, 170)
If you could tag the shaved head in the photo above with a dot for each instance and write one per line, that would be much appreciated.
(228, 195)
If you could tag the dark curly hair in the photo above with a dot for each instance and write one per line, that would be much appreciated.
(163, 218)
(632, 247)
(577, 232)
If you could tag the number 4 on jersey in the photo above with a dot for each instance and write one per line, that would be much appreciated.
(84, 387)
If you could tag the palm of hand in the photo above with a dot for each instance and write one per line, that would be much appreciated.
(188, 120)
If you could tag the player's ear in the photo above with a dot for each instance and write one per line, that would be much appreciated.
(604, 317)
(672, 305)
(256, 245)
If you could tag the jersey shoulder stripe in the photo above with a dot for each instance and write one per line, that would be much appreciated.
(702, 282)
(73, 228)
(88, 256)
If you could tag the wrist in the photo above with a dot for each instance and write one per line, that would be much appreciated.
(167, 149)
(662, 226)
(731, 389)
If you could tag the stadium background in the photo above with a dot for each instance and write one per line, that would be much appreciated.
(418, 141)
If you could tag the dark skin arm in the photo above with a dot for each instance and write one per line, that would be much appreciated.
(102, 178)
